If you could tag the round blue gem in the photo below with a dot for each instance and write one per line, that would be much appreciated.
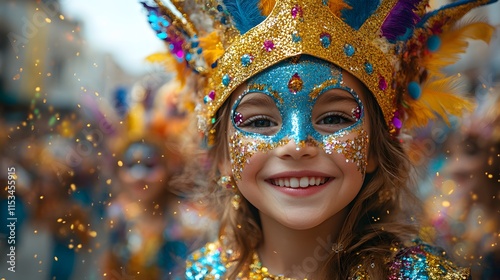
(246, 60)
(188, 56)
(349, 50)
(414, 90)
(433, 43)
(162, 35)
(325, 41)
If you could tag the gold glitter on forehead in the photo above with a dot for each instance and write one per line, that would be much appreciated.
(318, 33)
(262, 88)
(317, 89)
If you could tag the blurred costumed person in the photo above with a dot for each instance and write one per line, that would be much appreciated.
(304, 105)
(466, 211)
(152, 226)
(55, 199)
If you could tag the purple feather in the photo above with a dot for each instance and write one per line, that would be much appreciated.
(401, 19)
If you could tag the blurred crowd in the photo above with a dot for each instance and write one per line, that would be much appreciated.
(100, 192)
(103, 190)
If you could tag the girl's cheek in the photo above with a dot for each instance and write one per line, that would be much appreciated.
(242, 148)
(352, 145)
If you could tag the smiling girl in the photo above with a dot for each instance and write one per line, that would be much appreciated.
(304, 105)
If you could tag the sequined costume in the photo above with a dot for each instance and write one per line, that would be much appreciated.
(418, 262)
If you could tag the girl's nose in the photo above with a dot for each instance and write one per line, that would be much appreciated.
(292, 150)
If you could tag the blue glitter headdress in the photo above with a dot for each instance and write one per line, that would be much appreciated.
(396, 48)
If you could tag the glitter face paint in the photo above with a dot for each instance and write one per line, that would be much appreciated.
(294, 86)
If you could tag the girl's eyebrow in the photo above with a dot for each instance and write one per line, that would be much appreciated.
(337, 95)
(257, 100)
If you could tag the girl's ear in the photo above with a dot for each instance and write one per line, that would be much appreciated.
(372, 163)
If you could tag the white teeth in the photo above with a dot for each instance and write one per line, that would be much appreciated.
(317, 181)
(302, 182)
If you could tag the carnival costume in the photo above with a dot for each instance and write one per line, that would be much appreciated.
(397, 49)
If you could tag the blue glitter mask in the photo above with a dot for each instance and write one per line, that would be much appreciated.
(281, 105)
(295, 86)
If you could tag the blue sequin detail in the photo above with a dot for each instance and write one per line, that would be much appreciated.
(296, 37)
(246, 60)
(226, 80)
(349, 50)
(368, 68)
(326, 40)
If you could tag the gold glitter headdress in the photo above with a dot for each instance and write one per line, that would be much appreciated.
(396, 48)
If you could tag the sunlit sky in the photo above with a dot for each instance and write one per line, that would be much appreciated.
(120, 29)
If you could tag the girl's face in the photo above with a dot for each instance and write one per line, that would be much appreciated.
(298, 141)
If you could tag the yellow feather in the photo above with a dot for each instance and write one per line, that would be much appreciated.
(336, 6)
(454, 43)
(136, 121)
(171, 64)
(438, 100)
(212, 47)
(266, 6)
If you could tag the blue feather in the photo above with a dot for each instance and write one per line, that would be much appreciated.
(429, 15)
(360, 11)
(245, 13)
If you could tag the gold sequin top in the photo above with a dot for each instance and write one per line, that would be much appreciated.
(418, 262)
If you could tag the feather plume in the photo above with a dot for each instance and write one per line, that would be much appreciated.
(359, 12)
(266, 6)
(337, 6)
(171, 64)
(212, 47)
(454, 43)
(245, 13)
(401, 18)
(438, 100)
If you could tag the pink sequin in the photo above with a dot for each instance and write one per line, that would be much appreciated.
(268, 45)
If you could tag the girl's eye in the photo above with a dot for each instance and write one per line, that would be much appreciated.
(258, 122)
(336, 119)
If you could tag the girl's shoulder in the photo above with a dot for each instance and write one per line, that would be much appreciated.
(208, 262)
(424, 261)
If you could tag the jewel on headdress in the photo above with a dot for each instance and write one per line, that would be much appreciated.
(226, 80)
(326, 39)
(295, 84)
(209, 97)
(433, 43)
(296, 36)
(348, 50)
(247, 59)
(382, 83)
(268, 45)
(414, 90)
(297, 11)
(368, 68)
